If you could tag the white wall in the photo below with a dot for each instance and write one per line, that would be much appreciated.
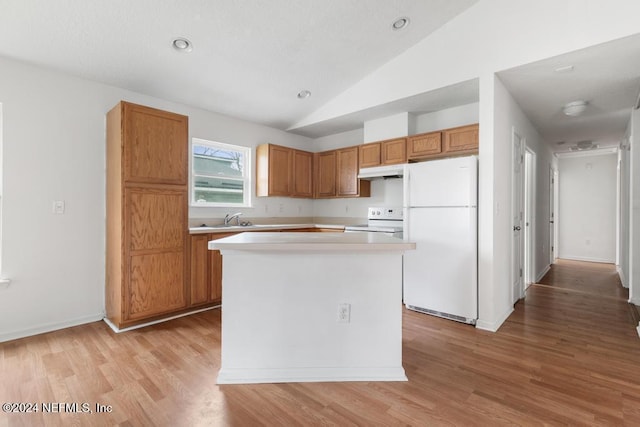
(624, 164)
(587, 211)
(634, 214)
(394, 126)
(447, 118)
(54, 149)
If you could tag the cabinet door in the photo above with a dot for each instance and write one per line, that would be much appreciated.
(370, 155)
(156, 284)
(325, 174)
(461, 140)
(424, 145)
(215, 273)
(199, 277)
(394, 151)
(347, 165)
(155, 243)
(279, 171)
(156, 147)
(302, 174)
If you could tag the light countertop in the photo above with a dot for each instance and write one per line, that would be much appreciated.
(283, 241)
(258, 227)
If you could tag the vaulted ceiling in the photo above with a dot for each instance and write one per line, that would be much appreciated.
(250, 58)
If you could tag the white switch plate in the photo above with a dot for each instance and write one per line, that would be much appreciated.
(58, 207)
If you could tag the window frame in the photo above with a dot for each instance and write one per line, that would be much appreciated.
(246, 175)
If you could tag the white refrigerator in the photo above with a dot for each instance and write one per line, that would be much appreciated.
(441, 217)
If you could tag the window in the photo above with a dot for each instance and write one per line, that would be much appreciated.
(220, 175)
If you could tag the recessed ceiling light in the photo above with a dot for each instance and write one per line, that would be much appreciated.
(400, 23)
(574, 108)
(304, 94)
(182, 45)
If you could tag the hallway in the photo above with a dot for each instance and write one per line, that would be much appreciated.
(587, 277)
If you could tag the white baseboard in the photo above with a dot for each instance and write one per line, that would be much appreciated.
(635, 301)
(142, 325)
(587, 259)
(623, 278)
(301, 375)
(494, 326)
(50, 327)
(638, 329)
(542, 273)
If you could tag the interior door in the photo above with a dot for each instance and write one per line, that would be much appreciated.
(517, 249)
(552, 214)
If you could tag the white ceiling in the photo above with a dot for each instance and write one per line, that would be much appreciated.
(250, 57)
(607, 76)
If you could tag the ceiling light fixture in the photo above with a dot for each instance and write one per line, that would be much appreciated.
(303, 94)
(565, 69)
(400, 23)
(182, 45)
(574, 108)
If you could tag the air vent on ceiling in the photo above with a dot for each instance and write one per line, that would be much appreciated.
(584, 146)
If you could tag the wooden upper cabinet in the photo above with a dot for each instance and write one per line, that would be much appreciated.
(461, 140)
(348, 166)
(394, 151)
(157, 145)
(273, 170)
(325, 174)
(370, 155)
(302, 175)
(347, 182)
(424, 145)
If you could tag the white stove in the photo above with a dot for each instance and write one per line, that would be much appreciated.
(387, 220)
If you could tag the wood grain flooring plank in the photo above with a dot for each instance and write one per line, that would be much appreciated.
(568, 355)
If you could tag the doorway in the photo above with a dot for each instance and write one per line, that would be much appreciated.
(517, 216)
(529, 217)
(553, 185)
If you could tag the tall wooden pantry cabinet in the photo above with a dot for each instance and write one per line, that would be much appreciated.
(147, 217)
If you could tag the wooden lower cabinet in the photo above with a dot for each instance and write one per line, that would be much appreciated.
(156, 285)
(206, 270)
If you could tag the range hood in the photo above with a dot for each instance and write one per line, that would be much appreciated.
(390, 171)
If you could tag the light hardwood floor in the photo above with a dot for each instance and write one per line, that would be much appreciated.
(564, 357)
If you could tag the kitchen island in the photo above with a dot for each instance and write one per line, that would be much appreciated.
(301, 307)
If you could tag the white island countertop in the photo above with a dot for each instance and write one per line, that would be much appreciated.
(283, 241)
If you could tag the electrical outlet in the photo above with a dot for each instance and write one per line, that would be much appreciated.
(344, 313)
(281, 208)
(58, 207)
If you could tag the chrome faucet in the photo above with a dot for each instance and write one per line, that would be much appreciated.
(228, 218)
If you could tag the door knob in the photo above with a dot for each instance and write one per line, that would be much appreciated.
(516, 228)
